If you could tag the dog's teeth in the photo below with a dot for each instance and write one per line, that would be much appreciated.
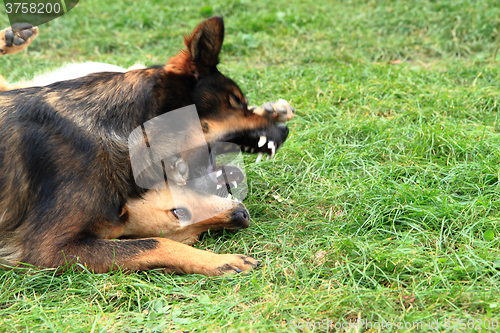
(252, 150)
(262, 141)
(259, 158)
(236, 200)
(219, 173)
(235, 184)
(219, 186)
(229, 196)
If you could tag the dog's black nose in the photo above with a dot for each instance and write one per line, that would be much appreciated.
(241, 218)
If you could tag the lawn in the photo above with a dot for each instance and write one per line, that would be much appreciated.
(383, 205)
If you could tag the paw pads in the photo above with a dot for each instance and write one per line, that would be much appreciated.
(17, 37)
(177, 170)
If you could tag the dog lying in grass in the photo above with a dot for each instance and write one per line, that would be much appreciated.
(68, 189)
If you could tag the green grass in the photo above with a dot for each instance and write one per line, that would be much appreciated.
(388, 185)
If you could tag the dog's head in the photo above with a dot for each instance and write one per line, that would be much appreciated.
(181, 213)
(221, 105)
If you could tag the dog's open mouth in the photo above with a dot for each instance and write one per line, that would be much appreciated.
(260, 141)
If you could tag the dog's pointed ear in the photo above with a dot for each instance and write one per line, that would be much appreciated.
(203, 48)
(205, 42)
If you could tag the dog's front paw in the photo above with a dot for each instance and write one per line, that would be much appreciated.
(176, 169)
(279, 111)
(233, 263)
(211, 264)
(17, 38)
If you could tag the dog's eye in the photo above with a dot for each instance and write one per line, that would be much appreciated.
(181, 213)
(235, 101)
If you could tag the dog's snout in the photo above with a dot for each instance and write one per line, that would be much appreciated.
(241, 214)
(241, 218)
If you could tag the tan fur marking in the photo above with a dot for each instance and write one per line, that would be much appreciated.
(176, 257)
(151, 216)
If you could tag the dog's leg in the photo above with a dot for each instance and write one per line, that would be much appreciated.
(17, 38)
(101, 255)
(279, 111)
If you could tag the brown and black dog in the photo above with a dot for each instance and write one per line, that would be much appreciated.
(66, 184)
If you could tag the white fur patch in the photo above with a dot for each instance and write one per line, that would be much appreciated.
(74, 70)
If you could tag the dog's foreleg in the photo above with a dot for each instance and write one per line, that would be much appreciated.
(15, 39)
(101, 255)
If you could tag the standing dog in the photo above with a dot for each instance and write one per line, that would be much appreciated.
(65, 173)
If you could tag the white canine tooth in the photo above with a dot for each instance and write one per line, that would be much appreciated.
(236, 200)
(252, 150)
(270, 144)
(219, 173)
(259, 158)
(262, 141)
(219, 186)
(229, 196)
(235, 184)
